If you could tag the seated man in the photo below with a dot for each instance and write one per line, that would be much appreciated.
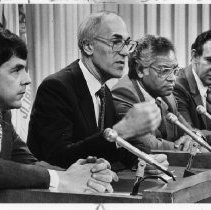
(193, 84)
(74, 106)
(152, 72)
(18, 167)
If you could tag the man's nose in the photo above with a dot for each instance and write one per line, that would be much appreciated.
(172, 77)
(26, 80)
(124, 51)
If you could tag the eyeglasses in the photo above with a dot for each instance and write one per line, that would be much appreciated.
(165, 72)
(118, 44)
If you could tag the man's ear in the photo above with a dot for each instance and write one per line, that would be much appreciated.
(194, 56)
(88, 47)
(146, 71)
(140, 74)
(141, 71)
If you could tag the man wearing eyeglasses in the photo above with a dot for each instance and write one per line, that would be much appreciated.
(192, 87)
(152, 72)
(74, 106)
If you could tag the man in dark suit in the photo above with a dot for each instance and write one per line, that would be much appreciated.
(193, 82)
(18, 167)
(65, 121)
(152, 72)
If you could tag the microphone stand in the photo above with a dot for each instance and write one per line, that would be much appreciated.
(196, 137)
(112, 136)
(193, 152)
(140, 177)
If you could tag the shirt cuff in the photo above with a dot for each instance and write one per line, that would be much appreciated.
(117, 146)
(54, 178)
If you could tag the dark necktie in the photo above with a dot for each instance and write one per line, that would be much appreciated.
(102, 95)
(1, 131)
(208, 100)
(162, 127)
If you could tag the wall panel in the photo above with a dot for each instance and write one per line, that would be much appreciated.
(53, 30)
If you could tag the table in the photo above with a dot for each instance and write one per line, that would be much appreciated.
(196, 188)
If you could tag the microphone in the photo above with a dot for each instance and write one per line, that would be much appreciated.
(112, 136)
(171, 109)
(173, 119)
(201, 110)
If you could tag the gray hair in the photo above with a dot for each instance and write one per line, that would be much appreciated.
(146, 51)
(89, 27)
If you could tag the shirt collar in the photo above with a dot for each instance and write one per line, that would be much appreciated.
(202, 89)
(146, 95)
(93, 84)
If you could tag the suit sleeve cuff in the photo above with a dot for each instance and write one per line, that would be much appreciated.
(54, 179)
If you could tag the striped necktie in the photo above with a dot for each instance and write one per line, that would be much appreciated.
(208, 100)
(162, 127)
(102, 95)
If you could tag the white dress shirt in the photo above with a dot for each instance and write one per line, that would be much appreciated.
(93, 85)
(202, 89)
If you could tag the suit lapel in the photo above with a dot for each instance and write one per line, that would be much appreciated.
(194, 89)
(7, 144)
(84, 97)
(137, 88)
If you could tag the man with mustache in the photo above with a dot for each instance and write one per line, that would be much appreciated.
(152, 73)
(74, 106)
(192, 86)
(18, 167)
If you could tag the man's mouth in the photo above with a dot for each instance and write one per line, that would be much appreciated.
(121, 62)
(170, 86)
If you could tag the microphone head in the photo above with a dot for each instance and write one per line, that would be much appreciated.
(171, 117)
(110, 134)
(200, 109)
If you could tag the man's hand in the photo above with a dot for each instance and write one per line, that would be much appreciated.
(160, 158)
(184, 143)
(142, 118)
(206, 132)
(87, 175)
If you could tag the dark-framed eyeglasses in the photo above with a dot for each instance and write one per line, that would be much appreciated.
(165, 72)
(118, 44)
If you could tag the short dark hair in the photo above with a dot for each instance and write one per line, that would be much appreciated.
(11, 45)
(146, 50)
(200, 41)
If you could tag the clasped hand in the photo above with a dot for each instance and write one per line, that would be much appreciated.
(186, 143)
(89, 175)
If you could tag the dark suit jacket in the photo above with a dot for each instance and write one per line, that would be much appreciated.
(188, 98)
(126, 93)
(63, 127)
(18, 167)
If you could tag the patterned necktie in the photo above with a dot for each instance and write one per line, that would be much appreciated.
(102, 95)
(162, 127)
(1, 131)
(208, 100)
